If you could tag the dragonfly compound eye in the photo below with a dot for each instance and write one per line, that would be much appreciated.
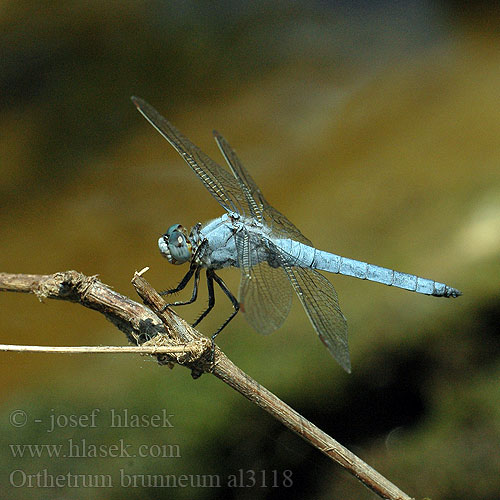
(175, 245)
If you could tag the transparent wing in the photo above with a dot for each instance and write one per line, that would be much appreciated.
(247, 183)
(265, 297)
(265, 213)
(262, 287)
(225, 188)
(265, 292)
(320, 301)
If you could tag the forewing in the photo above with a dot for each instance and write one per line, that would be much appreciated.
(247, 184)
(222, 185)
(320, 301)
(264, 212)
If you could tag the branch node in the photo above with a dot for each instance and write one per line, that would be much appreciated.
(195, 355)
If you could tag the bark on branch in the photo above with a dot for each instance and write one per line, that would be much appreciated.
(150, 326)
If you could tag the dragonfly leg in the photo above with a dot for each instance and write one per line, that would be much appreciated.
(211, 297)
(187, 278)
(211, 277)
(181, 285)
(233, 300)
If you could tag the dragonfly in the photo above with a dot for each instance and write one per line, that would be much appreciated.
(274, 257)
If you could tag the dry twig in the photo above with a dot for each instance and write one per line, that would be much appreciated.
(172, 340)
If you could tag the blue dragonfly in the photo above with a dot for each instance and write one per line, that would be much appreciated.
(274, 257)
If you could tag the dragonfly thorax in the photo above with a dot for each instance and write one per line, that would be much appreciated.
(175, 245)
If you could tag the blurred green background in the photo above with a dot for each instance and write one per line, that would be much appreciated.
(374, 126)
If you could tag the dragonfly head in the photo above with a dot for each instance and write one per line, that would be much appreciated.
(175, 245)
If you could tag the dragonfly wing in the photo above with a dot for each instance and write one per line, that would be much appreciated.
(264, 212)
(265, 293)
(224, 187)
(265, 297)
(282, 227)
(259, 291)
(320, 301)
(248, 185)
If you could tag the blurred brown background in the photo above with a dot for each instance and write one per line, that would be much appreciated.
(374, 126)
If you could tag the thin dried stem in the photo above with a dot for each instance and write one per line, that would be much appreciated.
(90, 349)
(143, 327)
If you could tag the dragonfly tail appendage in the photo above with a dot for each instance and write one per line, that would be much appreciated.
(448, 292)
